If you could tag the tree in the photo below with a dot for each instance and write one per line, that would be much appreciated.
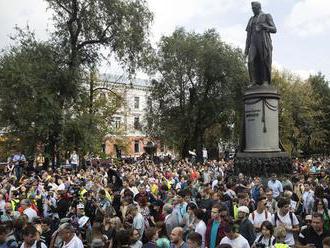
(32, 84)
(321, 93)
(88, 122)
(83, 27)
(301, 112)
(200, 85)
(36, 97)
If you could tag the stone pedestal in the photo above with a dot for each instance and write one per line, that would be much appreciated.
(261, 119)
(261, 154)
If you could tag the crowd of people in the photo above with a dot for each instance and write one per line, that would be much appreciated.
(173, 204)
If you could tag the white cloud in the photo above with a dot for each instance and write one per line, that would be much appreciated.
(193, 14)
(302, 73)
(17, 13)
(234, 35)
(309, 17)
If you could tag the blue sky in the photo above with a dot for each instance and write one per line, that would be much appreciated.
(301, 44)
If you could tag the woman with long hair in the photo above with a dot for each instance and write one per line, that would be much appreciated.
(97, 234)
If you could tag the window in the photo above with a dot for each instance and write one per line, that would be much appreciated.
(136, 122)
(136, 146)
(149, 102)
(117, 122)
(136, 102)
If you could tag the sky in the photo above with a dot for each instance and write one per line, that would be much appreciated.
(301, 43)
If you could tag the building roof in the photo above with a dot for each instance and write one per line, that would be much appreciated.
(124, 80)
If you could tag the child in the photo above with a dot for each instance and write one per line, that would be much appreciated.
(280, 234)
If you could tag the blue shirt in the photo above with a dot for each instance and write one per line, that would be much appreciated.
(276, 186)
(214, 234)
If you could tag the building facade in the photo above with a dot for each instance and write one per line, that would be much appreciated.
(128, 137)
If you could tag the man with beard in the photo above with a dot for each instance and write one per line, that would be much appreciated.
(246, 228)
(314, 234)
(215, 227)
(177, 238)
(30, 238)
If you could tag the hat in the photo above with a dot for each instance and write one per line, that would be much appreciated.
(243, 209)
(80, 206)
(82, 221)
(308, 217)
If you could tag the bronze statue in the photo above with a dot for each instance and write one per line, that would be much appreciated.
(259, 45)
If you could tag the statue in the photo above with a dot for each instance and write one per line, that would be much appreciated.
(259, 45)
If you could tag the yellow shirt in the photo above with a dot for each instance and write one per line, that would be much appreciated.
(154, 188)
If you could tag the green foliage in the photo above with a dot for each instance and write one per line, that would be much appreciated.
(33, 84)
(83, 27)
(88, 123)
(200, 85)
(304, 113)
(44, 98)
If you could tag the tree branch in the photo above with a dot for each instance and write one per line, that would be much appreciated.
(63, 7)
(95, 41)
(107, 89)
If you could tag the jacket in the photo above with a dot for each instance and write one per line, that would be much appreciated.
(220, 235)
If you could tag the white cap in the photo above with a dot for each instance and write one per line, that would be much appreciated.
(244, 209)
(80, 206)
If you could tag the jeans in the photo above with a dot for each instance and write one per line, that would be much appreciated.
(74, 167)
(18, 172)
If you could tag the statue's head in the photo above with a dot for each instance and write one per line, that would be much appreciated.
(256, 7)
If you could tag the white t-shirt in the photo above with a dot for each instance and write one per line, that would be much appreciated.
(214, 183)
(204, 153)
(201, 229)
(74, 158)
(259, 218)
(75, 242)
(138, 223)
(285, 220)
(30, 213)
(239, 242)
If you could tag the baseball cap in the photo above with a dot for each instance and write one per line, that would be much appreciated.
(243, 209)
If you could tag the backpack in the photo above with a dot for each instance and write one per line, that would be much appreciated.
(12, 243)
(277, 218)
(271, 244)
(39, 242)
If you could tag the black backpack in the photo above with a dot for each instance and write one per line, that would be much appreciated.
(11, 242)
(270, 244)
(39, 242)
